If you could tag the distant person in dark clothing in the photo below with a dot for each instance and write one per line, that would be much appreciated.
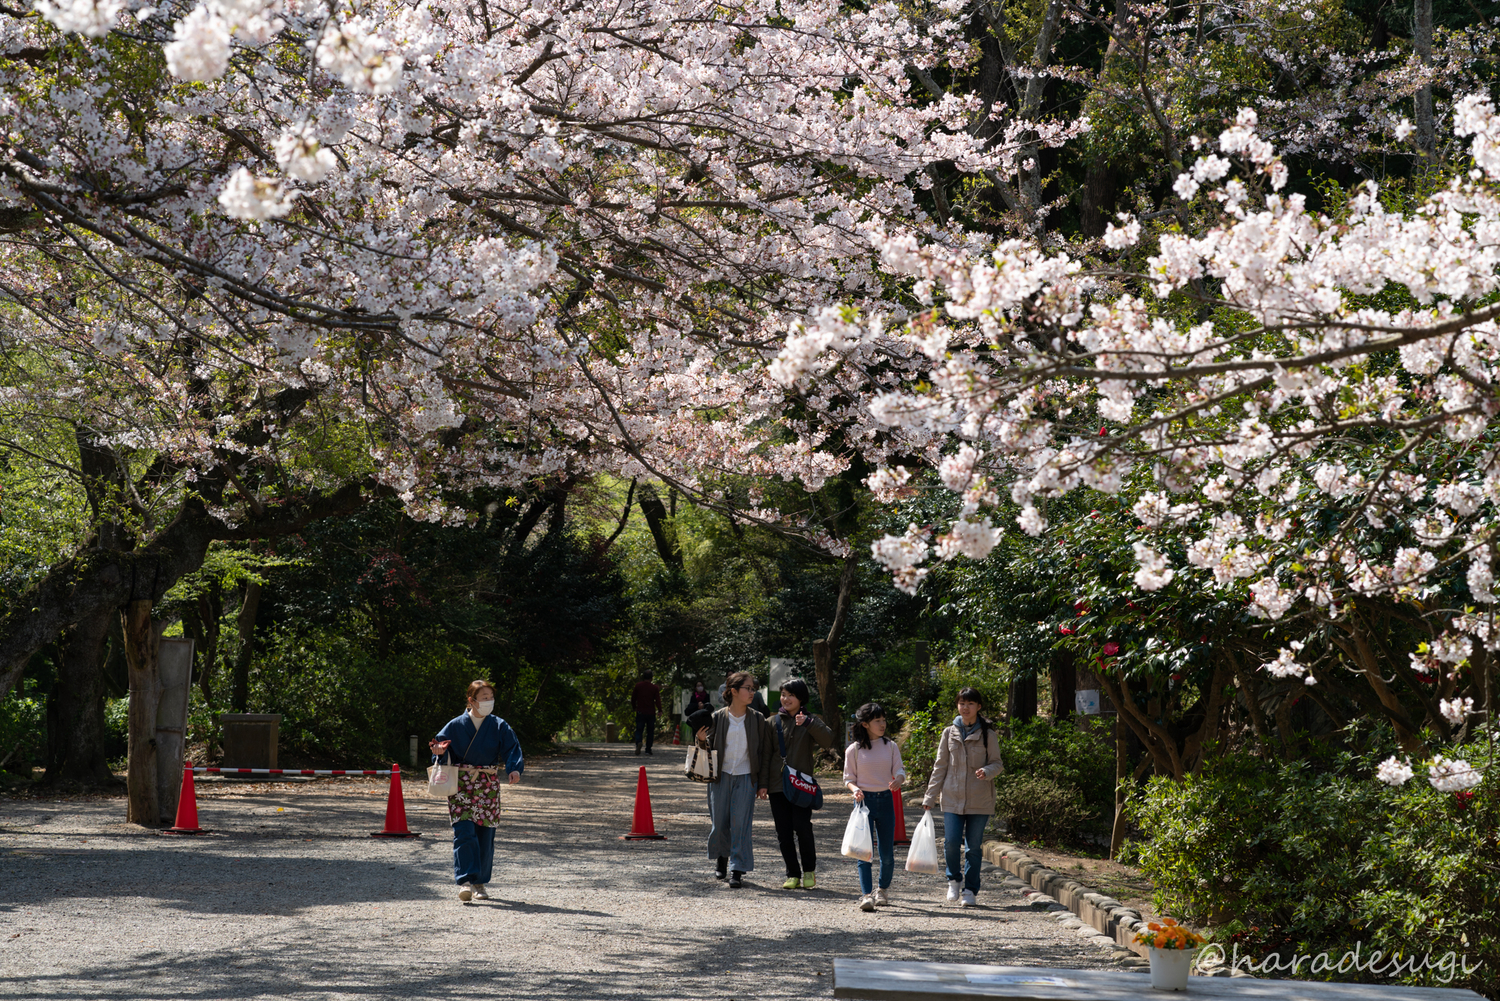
(698, 699)
(646, 701)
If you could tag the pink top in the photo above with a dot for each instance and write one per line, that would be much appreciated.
(873, 770)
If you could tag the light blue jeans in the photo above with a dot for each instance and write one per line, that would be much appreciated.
(967, 828)
(731, 808)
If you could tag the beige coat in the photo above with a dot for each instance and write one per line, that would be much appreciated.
(953, 779)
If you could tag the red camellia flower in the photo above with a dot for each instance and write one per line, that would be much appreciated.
(1176, 677)
(1462, 798)
(1065, 630)
(1110, 649)
(1103, 432)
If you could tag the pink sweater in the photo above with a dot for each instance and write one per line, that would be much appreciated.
(873, 770)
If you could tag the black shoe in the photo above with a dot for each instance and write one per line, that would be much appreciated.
(638, 750)
(721, 868)
(736, 880)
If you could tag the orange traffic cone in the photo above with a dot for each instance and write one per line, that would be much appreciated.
(901, 838)
(395, 810)
(642, 828)
(187, 806)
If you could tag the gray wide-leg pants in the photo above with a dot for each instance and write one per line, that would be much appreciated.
(731, 808)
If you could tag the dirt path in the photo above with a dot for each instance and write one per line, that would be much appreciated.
(292, 899)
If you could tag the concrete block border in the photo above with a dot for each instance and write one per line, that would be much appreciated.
(1105, 915)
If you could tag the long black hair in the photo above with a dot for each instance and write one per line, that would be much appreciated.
(973, 695)
(863, 715)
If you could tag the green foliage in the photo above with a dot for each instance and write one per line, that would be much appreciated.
(1041, 808)
(1058, 777)
(1310, 856)
(23, 728)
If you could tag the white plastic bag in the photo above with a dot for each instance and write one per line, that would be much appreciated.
(857, 841)
(921, 856)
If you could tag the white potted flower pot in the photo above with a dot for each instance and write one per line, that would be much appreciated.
(1169, 968)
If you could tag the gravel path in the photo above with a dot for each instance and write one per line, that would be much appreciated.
(291, 899)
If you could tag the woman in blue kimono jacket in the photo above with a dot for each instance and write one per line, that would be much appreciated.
(479, 743)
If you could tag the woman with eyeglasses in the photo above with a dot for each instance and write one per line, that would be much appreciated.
(746, 748)
(873, 772)
(479, 743)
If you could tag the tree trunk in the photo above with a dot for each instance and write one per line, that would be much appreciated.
(75, 709)
(1021, 701)
(1421, 37)
(824, 655)
(1063, 677)
(240, 693)
(1122, 769)
(661, 532)
(145, 692)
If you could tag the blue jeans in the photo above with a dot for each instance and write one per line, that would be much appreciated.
(731, 808)
(473, 852)
(968, 828)
(882, 809)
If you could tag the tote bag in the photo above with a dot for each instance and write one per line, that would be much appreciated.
(702, 764)
(857, 841)
(922, 855)
(442, 780)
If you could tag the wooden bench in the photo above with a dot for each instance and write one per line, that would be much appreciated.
(875, 980)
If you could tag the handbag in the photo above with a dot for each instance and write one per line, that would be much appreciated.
(921, 856)
(799, 788)
(702, 764)
(857, 841)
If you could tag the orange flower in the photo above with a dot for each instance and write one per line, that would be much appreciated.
(1168, 935)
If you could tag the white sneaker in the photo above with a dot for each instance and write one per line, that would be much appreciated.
(465, 892)
(479, 893)
(867, 903)
(881, 897)
(967, 900)
(954, 885)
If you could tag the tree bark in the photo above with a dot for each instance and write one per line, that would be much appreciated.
(824, 655)
(75, 708)
(1122, 770)
(240, 686)
(1063, 676)
(1021, 701)
(661, 532)
(145, 692)
(1422, 44)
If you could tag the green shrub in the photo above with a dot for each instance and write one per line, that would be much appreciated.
(1041, 808)
(1309, 857)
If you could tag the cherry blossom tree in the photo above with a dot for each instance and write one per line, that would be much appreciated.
(1269, 369)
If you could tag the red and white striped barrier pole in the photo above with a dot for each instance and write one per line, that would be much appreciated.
(294, 771)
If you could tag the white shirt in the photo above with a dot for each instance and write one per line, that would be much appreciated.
(736, 747)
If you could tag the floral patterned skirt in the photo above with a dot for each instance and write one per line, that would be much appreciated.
(478, 797)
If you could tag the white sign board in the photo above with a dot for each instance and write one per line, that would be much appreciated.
(1086, 701)
(174, 667)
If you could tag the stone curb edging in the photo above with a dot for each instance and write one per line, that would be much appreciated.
(1108, 918)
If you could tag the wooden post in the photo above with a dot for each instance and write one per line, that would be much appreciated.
(140, 656)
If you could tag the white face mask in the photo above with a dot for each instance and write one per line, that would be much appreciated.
(483, 709)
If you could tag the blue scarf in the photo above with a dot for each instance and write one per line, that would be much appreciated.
(964, 731)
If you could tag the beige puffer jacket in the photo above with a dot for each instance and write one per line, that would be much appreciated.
(953, 780)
